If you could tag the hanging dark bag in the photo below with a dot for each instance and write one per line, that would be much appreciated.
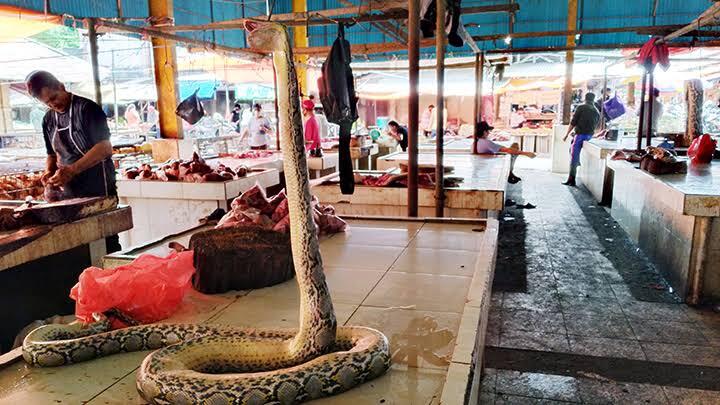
(337, 94)
(191, 109)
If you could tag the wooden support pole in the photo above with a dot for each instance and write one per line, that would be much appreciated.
(477, 117)
(479, 82)
(440, 110)
(92, 37)
(165, 66)
(569, 61)
(300, 39)
(413, 100)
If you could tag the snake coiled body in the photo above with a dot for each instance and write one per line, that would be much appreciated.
(226, 365)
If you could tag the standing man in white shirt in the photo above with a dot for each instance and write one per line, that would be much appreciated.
(259, 129)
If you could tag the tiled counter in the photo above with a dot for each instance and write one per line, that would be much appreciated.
(426, 285)
(593, 172)
(163, 208)
(674, 219)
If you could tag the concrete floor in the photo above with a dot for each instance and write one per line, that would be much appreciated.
(579, 315)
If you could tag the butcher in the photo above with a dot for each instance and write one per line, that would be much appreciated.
(77, 140)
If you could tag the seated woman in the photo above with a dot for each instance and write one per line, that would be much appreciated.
(482, 145)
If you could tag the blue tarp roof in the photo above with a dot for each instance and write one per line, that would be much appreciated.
(534, 16)
(205, 88)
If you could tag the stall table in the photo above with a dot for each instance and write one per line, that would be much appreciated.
(481, 194)
(593, 172)
(161, 208)
(396, 275)
(36, 278)
(674, 220)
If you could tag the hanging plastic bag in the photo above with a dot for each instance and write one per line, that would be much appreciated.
(614, 108)
(191, 109)
(147, 290)
(702, 149)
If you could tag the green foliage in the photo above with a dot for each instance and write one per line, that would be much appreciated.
(60, 38)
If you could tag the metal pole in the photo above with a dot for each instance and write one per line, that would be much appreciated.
(413, 99)
(92, 36)
(115, 98)
(277, 113)
(651, 101)
(643, 90)
(477, 115)
(440, 105)
(602, 99)
(479, 79)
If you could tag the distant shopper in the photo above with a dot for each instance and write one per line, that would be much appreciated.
(322, 121)
(657, 113)
(426, 121)
(235, 116)
(584, 122)
(132, 116)
(312, 130)
(483, 145)
(258, 130)
(152, 117)
(399, 133)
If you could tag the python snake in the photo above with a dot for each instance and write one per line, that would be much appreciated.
(204, 364)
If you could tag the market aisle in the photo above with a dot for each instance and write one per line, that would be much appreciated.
(580, 315)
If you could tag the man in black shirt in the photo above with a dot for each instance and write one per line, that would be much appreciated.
(399, 133)
(77, 140)
(584, 121)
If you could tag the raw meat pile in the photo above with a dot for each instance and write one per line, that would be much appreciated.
(425, 180)
(19, 186)
(253, 154)
(253, 208)
(194, 171)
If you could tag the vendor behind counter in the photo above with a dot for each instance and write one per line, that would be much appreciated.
(77, 139)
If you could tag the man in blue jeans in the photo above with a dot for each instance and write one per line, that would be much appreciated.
(584, 122)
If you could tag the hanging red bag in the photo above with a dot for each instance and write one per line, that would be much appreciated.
(702, 149)
(147, 290)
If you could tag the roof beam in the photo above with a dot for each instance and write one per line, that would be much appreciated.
(366, 49)
(105, 25)
(324, 17)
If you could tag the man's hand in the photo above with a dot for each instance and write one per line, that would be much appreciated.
(531, 155)
(46, 176)
(62, 176)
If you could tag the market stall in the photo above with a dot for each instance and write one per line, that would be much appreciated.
(162, 208)
(436, 320)
(41, 260)
(674, 219)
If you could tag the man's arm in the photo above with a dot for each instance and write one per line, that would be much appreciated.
(101, 151)
(569, 130)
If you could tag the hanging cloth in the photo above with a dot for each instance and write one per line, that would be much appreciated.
(336, 86)
(651, 54)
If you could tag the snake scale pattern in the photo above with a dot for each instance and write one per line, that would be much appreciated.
(203, 364)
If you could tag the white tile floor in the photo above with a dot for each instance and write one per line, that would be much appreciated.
(408, 279)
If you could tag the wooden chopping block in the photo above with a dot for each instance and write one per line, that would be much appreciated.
(22, 237)
(68, 210)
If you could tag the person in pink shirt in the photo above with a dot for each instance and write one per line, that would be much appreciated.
(312, 130)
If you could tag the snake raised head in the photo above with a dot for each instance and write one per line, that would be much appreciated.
(226, 365)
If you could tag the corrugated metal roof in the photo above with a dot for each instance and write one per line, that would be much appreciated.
(534, 16)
